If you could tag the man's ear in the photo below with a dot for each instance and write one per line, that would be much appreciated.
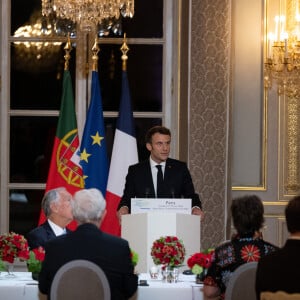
(149, 147)
(53, 207)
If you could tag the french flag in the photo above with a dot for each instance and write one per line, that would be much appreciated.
(124, 154)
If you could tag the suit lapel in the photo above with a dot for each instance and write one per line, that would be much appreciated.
(150, 190)
(50, 233)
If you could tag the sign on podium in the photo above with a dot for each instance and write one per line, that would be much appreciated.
(142, 229)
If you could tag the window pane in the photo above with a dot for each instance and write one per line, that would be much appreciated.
(36, 76)
(24, 210)
(31, 148)
(23, 11)
(147, 21)
(144, 69)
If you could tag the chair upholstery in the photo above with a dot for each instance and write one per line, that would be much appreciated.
(241, 285)
(80, 279)
(280, 295)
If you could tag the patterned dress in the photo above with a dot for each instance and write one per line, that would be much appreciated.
(230, 255)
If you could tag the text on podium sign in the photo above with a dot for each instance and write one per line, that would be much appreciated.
(172, 205)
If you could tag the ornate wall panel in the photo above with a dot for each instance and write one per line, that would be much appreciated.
(209, 111)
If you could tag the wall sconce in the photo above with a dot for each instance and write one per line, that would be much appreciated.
(282, 68)
(282, 64)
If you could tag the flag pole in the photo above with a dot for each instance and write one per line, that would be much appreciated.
(68, 49)
(124, 48)
(95, 51)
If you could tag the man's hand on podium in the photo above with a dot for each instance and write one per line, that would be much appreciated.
(122, 211)
(197, 211)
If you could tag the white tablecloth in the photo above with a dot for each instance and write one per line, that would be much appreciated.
(184, 289)
(23, 287)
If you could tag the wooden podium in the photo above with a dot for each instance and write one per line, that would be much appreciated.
(141, 230)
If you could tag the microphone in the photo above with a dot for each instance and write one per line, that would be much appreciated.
(172, 192)
(147, 192)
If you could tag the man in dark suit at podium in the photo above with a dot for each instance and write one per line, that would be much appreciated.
(56, 205)
(159, 176)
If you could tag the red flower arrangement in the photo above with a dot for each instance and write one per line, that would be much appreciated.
(168, 251)
(200, 261)
(36, 257)
(13, 245)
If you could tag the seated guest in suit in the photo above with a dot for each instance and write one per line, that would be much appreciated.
(57, 208)
(245, 246)
(280, 271)
(88, 242)
(142, 180)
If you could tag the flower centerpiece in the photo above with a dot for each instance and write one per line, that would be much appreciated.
(200, 262)
(168, 251)
(12, 246)
(34, 263)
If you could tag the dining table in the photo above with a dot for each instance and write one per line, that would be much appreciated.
(23, 287)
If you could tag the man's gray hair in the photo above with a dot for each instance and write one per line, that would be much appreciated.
(50, 197)
(88, 205)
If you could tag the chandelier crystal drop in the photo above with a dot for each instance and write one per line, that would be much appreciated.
(88, 13)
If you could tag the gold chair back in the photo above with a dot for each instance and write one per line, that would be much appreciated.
(280, 295)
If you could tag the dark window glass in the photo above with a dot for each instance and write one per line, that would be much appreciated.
(144, 69)
(31, 143)
(36, 76)
(147, 21)
(24, 209)
(23, 12)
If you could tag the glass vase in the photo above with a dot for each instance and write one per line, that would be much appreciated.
(170, 274)
(10, 270)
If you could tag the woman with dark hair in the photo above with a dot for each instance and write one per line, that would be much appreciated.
(245, 246)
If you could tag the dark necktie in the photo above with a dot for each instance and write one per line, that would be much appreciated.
(160, 182)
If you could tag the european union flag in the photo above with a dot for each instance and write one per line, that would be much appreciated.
(93, 150)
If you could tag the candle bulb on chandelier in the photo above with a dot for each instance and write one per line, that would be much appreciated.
(285, 45)
(270, 44)
(276, 28)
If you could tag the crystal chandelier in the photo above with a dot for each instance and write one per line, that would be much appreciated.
(283, 46)
(88, 13)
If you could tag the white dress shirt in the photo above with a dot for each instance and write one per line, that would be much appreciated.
(57, 229)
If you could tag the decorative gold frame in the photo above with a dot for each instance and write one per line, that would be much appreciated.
(264, 129)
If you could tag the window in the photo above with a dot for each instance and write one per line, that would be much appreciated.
(31, 92)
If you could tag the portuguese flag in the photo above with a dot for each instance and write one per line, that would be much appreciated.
(65, 170)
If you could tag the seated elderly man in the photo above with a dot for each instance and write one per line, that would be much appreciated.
(88, 242)
(56, 206)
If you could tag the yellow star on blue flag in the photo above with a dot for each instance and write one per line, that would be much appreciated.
(97, 139)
